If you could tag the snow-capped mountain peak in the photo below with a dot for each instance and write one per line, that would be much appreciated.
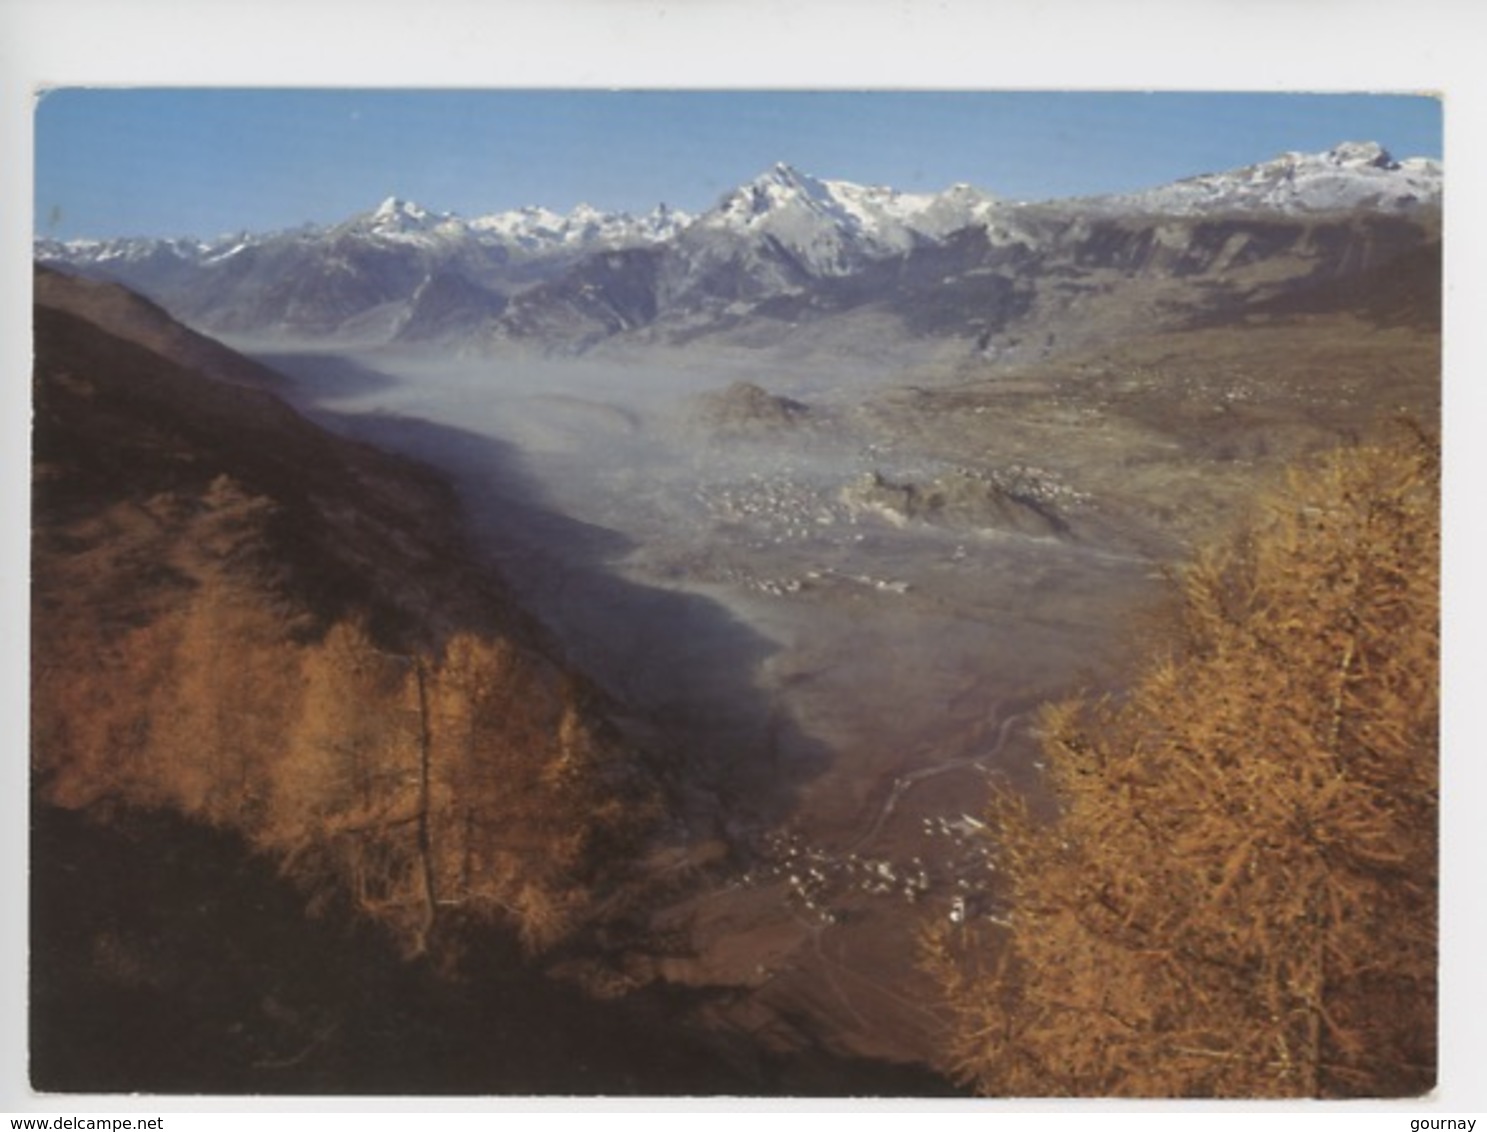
(398, 218)
(831, 226)
(396, 208)
(1358, 155)
(780, 187)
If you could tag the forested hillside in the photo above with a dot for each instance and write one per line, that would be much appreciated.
(1232, 890)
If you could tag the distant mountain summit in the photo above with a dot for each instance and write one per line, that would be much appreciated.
(395, 217)
(832, 226)
(1352, 175)
(535, 229)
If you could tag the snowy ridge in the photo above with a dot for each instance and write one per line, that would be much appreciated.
(534, 228)
(125, 249)
(1352, 175)
(397, 221)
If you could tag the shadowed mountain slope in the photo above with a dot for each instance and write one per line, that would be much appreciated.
(249, 622)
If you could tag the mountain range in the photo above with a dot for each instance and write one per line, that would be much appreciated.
(785, 247)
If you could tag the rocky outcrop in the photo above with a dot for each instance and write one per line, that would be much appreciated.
(963, 499)
(746, 409)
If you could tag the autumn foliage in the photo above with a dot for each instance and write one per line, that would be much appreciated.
(434, 789)
(241, 619)
(1236, 894)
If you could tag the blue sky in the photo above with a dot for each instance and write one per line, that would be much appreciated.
(208, 161)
